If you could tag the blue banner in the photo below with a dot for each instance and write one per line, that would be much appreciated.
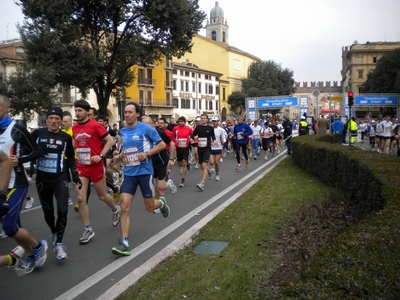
(251, 114)
(376, 100)
(276, 102)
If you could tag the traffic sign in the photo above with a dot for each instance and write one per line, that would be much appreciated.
(335, 98)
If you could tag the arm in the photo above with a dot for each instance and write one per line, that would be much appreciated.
(5, 172)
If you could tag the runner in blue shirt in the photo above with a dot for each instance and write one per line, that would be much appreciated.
(139, 142)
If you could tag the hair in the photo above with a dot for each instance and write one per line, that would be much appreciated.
(204, 115)
(5, 100)
(82, 104)
(102, 117)
(163, 119)
(137, 107)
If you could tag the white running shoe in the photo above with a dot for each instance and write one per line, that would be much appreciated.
(221, 160)
(29, 202)
(172, 187)
(3, 235)
(210, 174)
(70, 202)
(59, 250)
(20, 265)
(196, 166)
(217, 178)
(266, 158)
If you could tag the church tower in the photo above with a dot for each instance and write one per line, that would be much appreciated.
(217, 28)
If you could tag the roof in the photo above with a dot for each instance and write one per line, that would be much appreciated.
(8, 50)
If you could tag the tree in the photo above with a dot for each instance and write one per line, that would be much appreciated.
(29, 91)
(267, 78)
(237, 102)
(386, 76)
(95, 43)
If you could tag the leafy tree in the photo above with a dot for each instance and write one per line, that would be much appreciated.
(267, 78)
(95, 43)
(386, 76)
(237, 102)
(30, 90)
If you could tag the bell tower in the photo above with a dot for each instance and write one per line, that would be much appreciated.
(217, 27)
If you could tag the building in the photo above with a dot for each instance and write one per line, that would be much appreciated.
(12, 55)
(357, 61)
(213, 52)
(196, 91)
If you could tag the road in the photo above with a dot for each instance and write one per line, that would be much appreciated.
(92, 269)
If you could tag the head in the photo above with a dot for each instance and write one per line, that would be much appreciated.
(223, 124)
(115, 126)
(82, 108)
(4, 106)
(54, 118)
(66, 122)
(239, 119)
(102, 119)
(132, 113)
(123, 123)
(172, 120)
(214, 121)
(162, 123)
(204, 119)
(147, 120)
(93, 113)
(182, 121)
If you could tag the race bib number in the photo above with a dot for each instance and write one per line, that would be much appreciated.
(240, 136)
(182, 143)
(131, 158)
(83, 155)
(48, 163)
(202, 142)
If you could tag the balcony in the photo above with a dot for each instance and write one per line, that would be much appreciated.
(146, 81)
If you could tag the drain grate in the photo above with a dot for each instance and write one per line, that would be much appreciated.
(210, 247)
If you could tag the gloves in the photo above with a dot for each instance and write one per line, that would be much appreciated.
(75, 179)
(3, 205)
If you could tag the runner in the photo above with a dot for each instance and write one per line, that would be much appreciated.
(256, 137)
(216, 149)
(89, 136)
(14, 137)
(139, 142)
(182, 134)
(51, 177)
(205, 136)
(266, 134)
(241, 132)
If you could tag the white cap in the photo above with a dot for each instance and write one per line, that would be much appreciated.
(302, 118)
(198, 119)
(215, 118)
(223, 123)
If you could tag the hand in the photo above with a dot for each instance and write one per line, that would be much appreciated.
(14, 160)
(76, 180)
(3, 205)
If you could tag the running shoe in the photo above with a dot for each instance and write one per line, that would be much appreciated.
(200, 186)
(210, 173)
(40, 254)
(30, 265)
(59, 250)
(164, 207)
(188, 167)
(29, 202)
(88, 233)
(121, 249)
(182, 184)
(76, 208)
(116, 215)
(196, 166)
(3, 235)
(115, 177)
(217, 178)
(266, 158)
(238, 167)
(157, 211)
(116, 194)
(70, 202)
(221, 160)
(247, 163)
(255, 157)
(172, 187)
(20, 265)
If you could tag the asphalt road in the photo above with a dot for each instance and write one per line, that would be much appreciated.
(92, 269)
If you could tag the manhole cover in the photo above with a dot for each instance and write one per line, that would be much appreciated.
(210, 247)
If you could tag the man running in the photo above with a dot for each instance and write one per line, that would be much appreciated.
(241, 132)
(139, 143)
(205, 137)
(15, 137)
(216, 149)
(89, 136)
(51, 178)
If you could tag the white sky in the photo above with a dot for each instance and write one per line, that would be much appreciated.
(304, 36)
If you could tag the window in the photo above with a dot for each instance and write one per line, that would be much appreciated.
(193, 87)
(149, 97)
(20, 51)
(224, 94)
(182, 85)
(360, 60)
(224, 37)
(199, 104)
(210, 105)
(141, 97)
(206, 77)
(174, 71)
(210, 89)
(181, 72)
(217, 90)
(199, 87)
(187, 74)
(199, 75)
(374, 59)
(193, 74)
(183, 103)
(187, 86)
(168, 98)
(236, 64)
(174, 84)
(149, 73)
(360, 74)
(141, 73)
(175, 102)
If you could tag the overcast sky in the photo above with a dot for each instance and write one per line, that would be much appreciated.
(304, 36)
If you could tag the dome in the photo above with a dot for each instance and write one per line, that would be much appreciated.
(216, 12)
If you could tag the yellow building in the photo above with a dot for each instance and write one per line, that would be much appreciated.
(213, 53)
(152, 88)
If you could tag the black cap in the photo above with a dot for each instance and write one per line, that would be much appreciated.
(55, 111)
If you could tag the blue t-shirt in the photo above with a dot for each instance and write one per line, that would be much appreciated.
(138, 139)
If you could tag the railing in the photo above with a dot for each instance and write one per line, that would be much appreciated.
(146, 81)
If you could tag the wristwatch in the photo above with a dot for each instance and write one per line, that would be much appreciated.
(147, 154)
(101, 155)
